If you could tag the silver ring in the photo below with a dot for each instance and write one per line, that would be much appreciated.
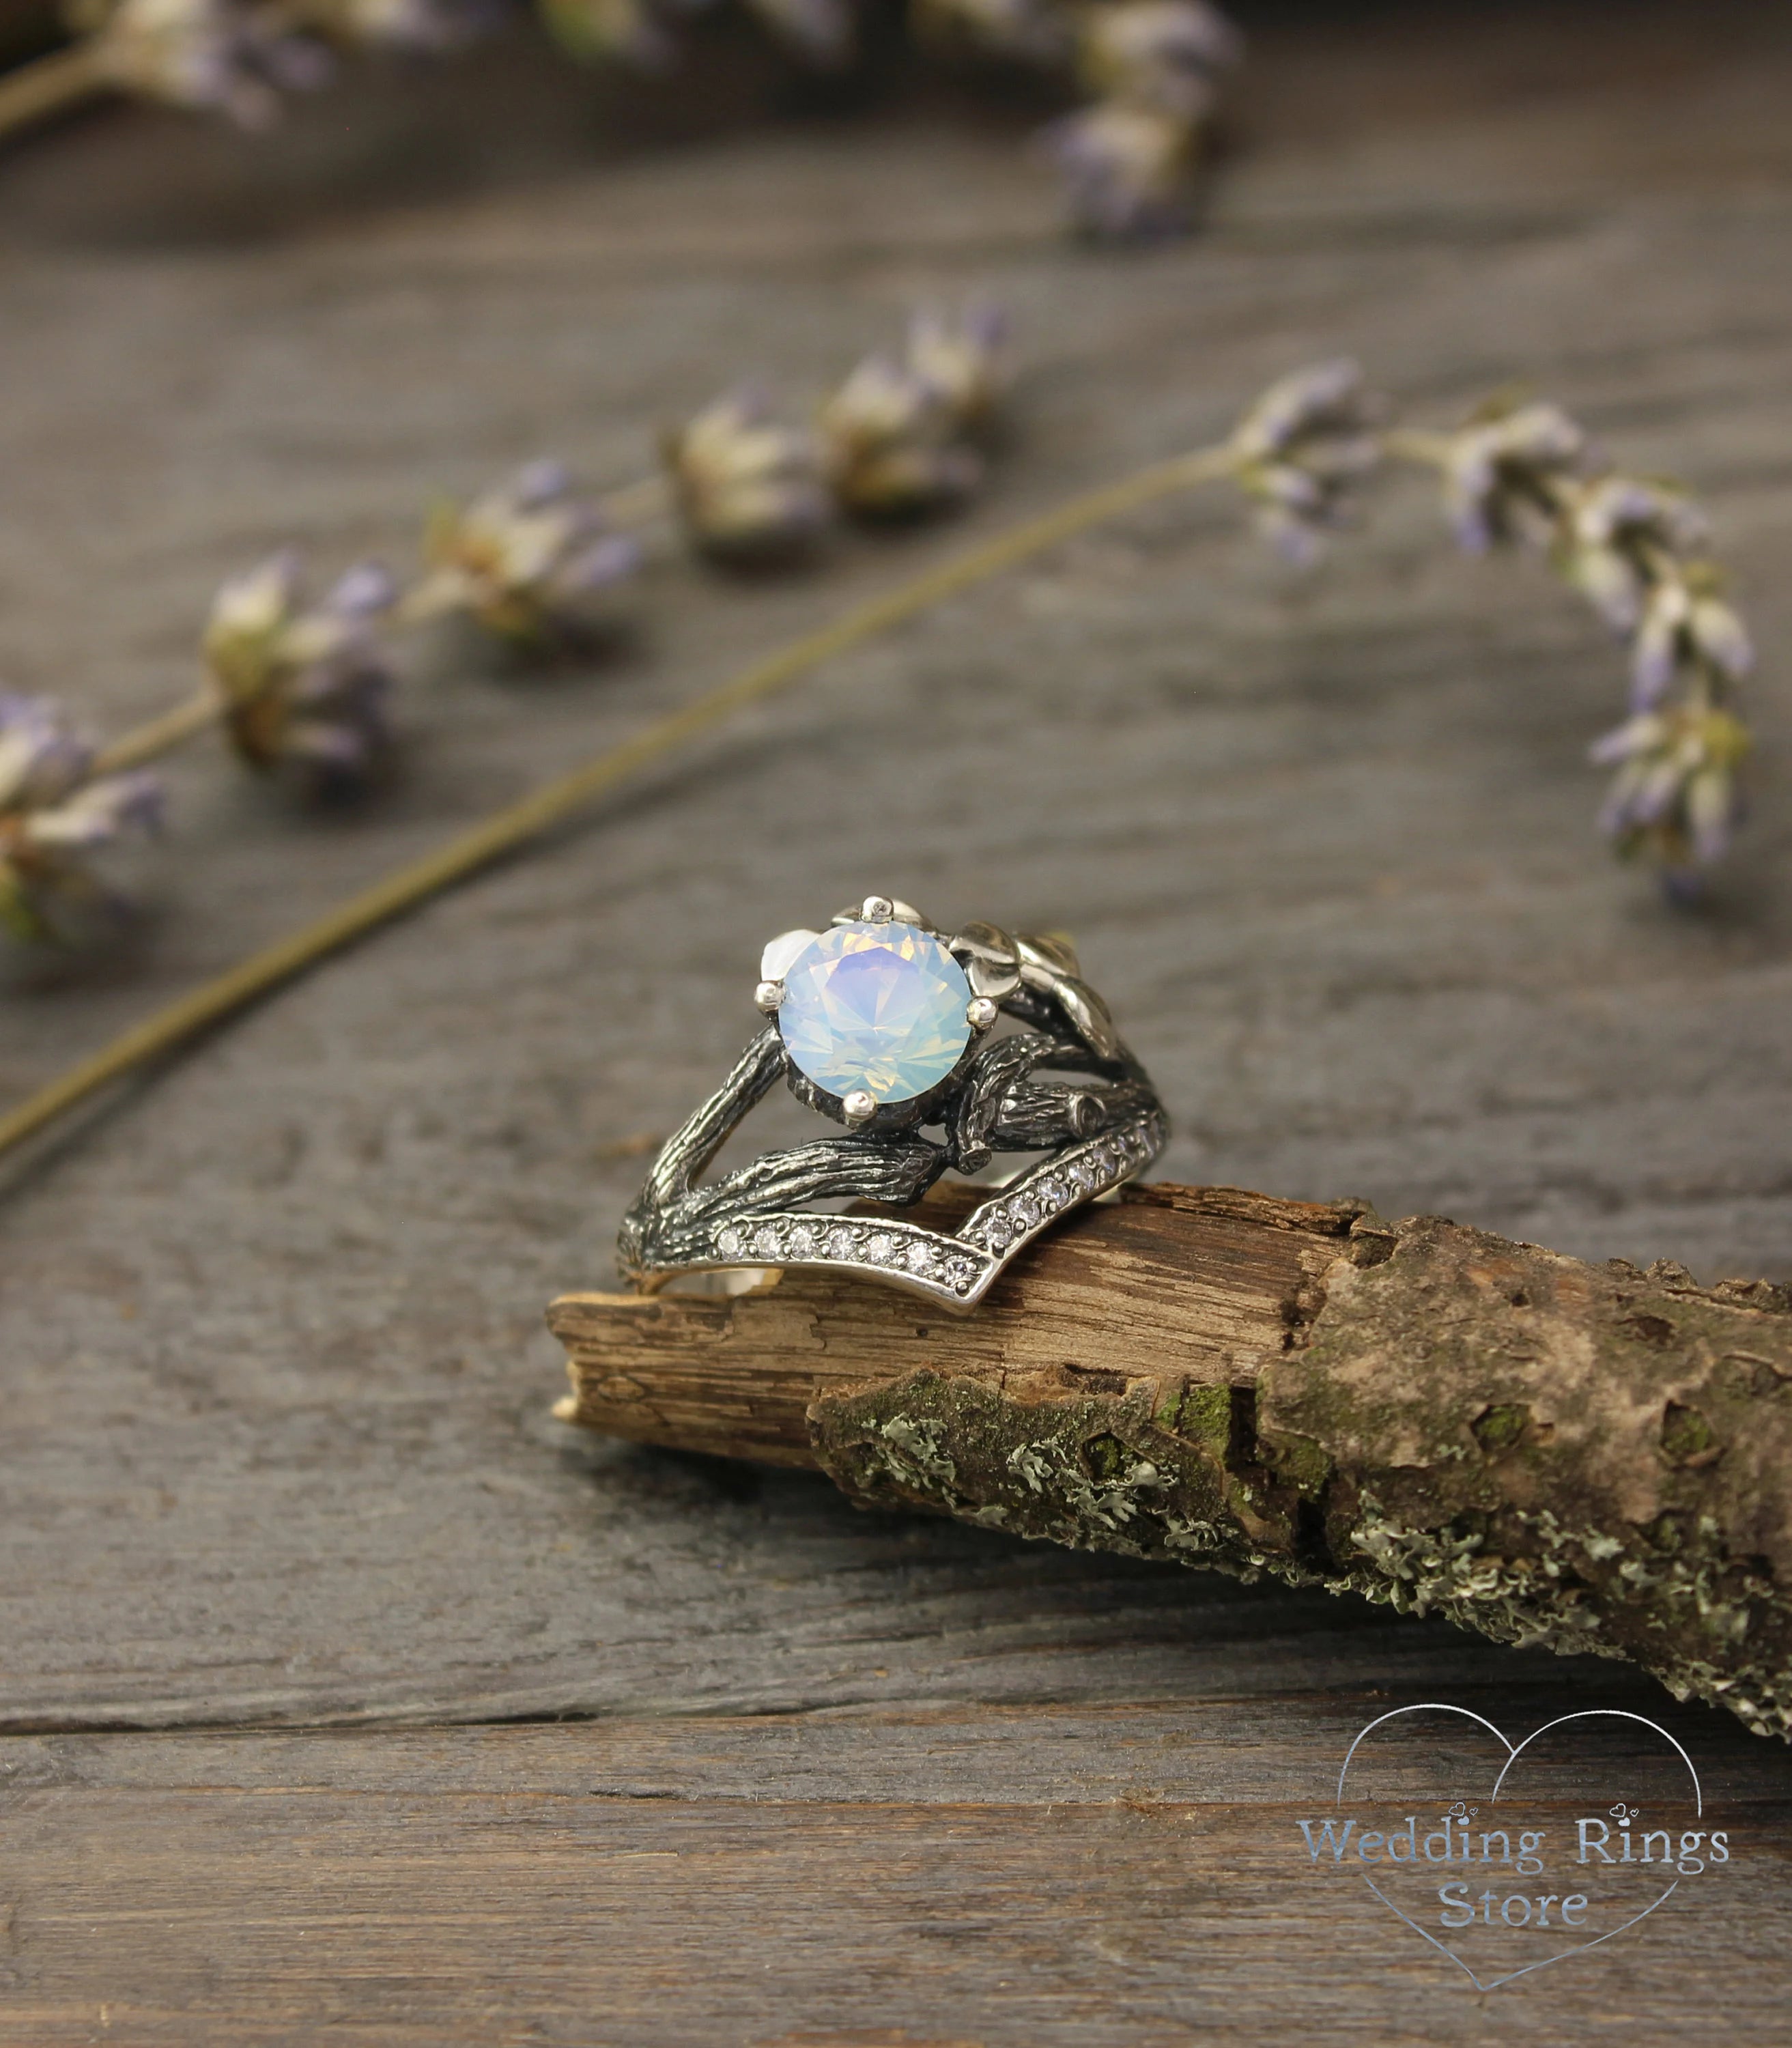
(887, 1026)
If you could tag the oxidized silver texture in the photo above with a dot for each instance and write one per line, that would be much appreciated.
(1097, 1131)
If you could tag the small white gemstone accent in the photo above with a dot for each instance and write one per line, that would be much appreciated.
(1050, 1196)
(803, 1237)
(1079, 1175)
(920, 1257)
(997, 1231)
(881, 1250)
(842, 1243)
(1022, 1213)
(728, 1242)
(766, 1242)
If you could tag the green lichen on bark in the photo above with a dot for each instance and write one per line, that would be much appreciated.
(1590, 1459)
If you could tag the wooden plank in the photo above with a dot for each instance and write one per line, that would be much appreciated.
(968, 1879)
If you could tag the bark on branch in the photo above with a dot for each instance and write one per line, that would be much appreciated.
(1596, 1458)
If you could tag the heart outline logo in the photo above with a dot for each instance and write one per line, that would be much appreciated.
(1514, 1752)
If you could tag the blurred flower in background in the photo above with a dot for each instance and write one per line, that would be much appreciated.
(1125, 170)
(965, 360)
(1619, 531)
(431, 28)
(529, 560)
(1300, 448)
(56, 825)
(233, 57)
(747, 487)
(623, 31)
(1499, 469)
(1032, 32)
(1167, 55)
(1687, 622)
(1526, 472)
(1675, 796)
(823, 32)
(898, 433)
(303, 689)
(1155, 66)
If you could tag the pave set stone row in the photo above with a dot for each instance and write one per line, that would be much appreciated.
(803, 1240)
(826, 1240)
(1092, 1170)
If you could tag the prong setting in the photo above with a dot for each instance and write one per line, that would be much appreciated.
(886, 1024)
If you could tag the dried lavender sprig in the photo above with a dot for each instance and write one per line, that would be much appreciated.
(519, 823)
(1633, 546)
(531, 559)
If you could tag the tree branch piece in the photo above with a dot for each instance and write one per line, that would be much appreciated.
(1594, 1458)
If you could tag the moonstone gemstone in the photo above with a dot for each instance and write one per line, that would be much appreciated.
(879, 1007)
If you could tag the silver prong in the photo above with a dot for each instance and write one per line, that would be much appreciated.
(876, 910)
(768, 996)
(980, 1012)
(859, 1107)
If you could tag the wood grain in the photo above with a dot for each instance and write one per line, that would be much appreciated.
(1170, 1285)
(1125, 1876)
(278, 1449)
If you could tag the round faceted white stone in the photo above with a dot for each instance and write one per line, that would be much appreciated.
(879, 1007)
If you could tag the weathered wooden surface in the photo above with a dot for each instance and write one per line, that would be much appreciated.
(278, 1445)
(1125, 1875)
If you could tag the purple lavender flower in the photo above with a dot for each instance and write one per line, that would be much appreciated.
(895, 434)
(747, 487)
(303, 689)
(1685, 622)
(1618, 529)
(1300, 448)
(234, 57)
(1499, 470)
(1166, 55)
(528, 559)
(1676, 796)
(964, 360)
(56, 825)
(1125, 170)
